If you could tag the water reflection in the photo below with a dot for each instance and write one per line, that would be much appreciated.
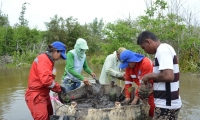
(189, 90)
(14, 82)
(13, 85)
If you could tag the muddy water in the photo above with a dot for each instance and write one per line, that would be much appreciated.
(14, 82)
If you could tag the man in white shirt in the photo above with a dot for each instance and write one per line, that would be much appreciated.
(110, 70)
(165, 76)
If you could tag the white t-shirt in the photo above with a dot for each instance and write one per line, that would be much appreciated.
(166, 94)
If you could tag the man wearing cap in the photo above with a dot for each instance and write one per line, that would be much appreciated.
(42, 79)
(110, 70)
(76, 62)
(136, 66)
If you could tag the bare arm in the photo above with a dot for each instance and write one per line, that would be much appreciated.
(164, 76)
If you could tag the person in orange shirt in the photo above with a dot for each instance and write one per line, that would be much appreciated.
(42, 79)
(136, 66)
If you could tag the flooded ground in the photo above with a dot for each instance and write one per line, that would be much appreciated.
(14, 82)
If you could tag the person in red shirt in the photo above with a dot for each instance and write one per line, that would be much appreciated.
(136, 66)
(41, 81)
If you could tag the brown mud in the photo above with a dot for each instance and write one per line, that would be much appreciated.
(97, 102)
(88, 103)
(96, 98)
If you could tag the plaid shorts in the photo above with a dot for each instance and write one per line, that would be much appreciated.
(165, 114)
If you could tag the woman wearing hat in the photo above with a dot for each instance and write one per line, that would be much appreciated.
(41, 81)
(76, 62)
(136, 66)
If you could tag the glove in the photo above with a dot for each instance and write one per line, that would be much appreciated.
(61, 94)
(63, 90)
(130, 89)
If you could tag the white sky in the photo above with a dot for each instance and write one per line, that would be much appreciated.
(40, 11)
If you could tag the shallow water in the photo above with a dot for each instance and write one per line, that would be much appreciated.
(14, 82)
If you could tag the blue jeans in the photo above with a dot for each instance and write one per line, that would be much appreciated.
(70, 85)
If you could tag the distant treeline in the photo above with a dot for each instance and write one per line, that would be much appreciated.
(24, 44)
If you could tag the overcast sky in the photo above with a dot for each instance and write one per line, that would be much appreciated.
(40, 11)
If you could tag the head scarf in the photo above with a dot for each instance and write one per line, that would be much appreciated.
(80, 48)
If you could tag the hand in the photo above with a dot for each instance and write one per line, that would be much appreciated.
(145, 78)
(86, 82)
(93, 75)
(135, 100)
(126, 101)
(122, 78)
(63, 90)
(123, 74)
(120, 74)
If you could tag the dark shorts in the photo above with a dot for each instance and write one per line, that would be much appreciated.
(165, 114)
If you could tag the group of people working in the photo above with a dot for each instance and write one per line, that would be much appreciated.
(123, 64)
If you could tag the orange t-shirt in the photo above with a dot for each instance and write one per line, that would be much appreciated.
(135, 74)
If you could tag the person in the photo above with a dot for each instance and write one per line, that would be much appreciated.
(165, 75)
(110, 70)
(76, 62)
(42, 79)
(136, 66)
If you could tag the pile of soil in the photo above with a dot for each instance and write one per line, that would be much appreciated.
(94, 97)
(96, 102)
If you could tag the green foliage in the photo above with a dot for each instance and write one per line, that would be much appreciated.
(69, 30)
(24, 44)
(96, 28)
(8, 41)
(3, 20)
(24, 58)
(2, 41)
(119, 34)
(156, 7)
(97, 59)
(22, 20)
(172, 29)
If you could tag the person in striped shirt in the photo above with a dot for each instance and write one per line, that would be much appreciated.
(165, 76)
